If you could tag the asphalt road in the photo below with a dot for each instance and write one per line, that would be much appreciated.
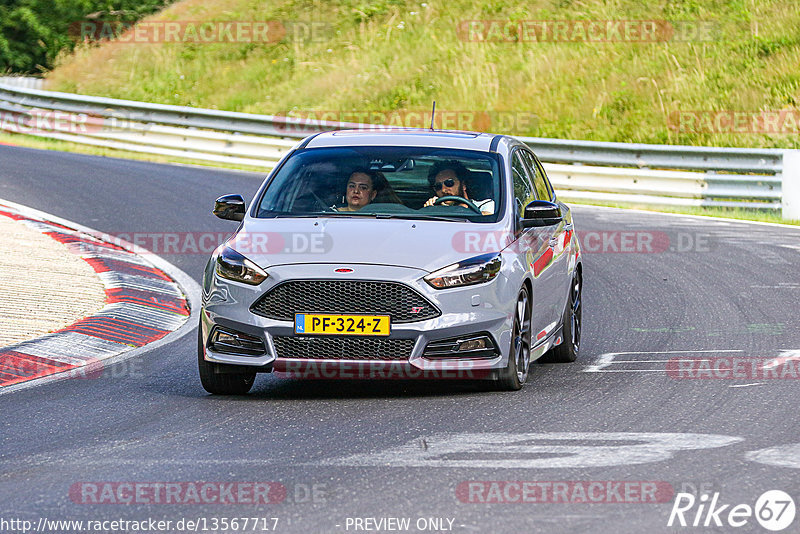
(351, 450)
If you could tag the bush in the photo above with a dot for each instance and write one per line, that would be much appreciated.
(34, 32)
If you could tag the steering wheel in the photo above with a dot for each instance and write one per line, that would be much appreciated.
(471, 205)
(321, 202)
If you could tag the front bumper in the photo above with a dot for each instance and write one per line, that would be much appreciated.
(485, 308)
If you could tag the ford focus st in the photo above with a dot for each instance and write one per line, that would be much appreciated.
(400, 253)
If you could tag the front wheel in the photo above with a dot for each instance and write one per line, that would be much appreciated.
(571, 332)
(514, 375)
(217, 383)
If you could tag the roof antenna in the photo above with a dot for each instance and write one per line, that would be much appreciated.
(433, 113)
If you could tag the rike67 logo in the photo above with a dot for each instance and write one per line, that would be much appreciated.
(774, 510)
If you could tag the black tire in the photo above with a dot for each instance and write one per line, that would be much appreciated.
(571, 332)
(515, 374)
(217, 383)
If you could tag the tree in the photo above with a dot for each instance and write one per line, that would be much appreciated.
(34, 32)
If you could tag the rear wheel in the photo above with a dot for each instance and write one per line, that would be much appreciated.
(221, 383)
(571, 332)
(514, 375)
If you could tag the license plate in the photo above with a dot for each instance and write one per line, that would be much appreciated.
(342, 325)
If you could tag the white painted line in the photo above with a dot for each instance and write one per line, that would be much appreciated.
(609, 358)
(604, 360)
(781, 456)
(677, 351)
(535, 450)
(793, 286)
(628, 371)
(746, 385)
(785, 356)
(665, 361)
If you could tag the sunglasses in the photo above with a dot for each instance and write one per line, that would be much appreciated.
(437, 186)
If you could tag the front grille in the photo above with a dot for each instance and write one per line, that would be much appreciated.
(343, 348)
(399, 301)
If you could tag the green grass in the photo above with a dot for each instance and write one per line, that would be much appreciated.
(397, 56)
(390, 55)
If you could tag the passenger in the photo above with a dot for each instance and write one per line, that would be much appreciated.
(386, 194)
(449, 178)
(360, 190)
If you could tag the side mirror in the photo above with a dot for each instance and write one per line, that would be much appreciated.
(541, 213)
(230, 207)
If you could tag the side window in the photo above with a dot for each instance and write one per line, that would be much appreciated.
(523, 191)
(542, 193)
(546, 179)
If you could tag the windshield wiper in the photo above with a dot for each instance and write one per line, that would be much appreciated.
(351, 214)
(409, 217)
(343, 214)
(413, 217)
(284, 214)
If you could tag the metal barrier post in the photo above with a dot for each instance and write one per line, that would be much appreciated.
(790, 189)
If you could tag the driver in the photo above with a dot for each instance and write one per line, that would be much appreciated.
(449, 178)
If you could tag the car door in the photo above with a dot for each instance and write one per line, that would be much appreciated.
(550, 266)
(563, 235)
(534, 248)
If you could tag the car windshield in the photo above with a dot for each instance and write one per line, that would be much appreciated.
(386, 182)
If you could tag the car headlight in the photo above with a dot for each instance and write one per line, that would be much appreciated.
(475, 270)
(234, 266)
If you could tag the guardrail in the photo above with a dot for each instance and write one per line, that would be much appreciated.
(767, 179)
(29, 82)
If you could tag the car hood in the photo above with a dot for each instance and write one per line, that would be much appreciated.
(424, 245)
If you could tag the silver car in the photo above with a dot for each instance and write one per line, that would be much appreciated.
(394, 254)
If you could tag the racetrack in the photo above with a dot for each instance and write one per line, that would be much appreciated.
(400, 449)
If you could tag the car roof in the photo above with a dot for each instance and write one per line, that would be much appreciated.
(415, 137)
